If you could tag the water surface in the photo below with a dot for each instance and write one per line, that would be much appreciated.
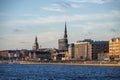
(57, 72)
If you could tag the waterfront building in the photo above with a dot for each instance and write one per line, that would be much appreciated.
(99, 47)
(63, 43)
(42, 54)
(80, 51)
(83, 51)
(114, 48)
(88, 49)
(103, 57)
(9, 54)
(60, 56)
(39, 55)
(24, 53)
(71, 51)
(87, 40)
(4, 55)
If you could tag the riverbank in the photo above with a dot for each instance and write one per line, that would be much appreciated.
(79, 63)
(72, 64)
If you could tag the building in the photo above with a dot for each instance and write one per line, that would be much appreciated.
(87, 40)
(62, 53)
(83, 51)
(103, 57)
(114, 48)
(35, 48)
(99, 47)
(4, 55)
(9, 54)
(63, 43)
(71, 52)
(60, 56)
(40, 55)
(80, 51)
(88, 49)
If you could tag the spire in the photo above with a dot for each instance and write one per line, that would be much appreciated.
(65, 32)
(36, 39)
(35, 46)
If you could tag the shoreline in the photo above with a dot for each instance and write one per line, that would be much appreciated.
(64, 63)
(72, 64)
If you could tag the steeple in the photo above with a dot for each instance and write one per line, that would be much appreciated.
(36, 39)
(35, 45)
(65, 32)
(63, 43)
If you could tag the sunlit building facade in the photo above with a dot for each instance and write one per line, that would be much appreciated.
(114, 48)
(80, 51)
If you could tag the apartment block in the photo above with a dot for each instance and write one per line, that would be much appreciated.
(114, 48)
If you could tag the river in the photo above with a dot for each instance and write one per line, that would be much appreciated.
(57, 72)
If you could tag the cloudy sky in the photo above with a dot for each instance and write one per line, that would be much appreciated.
(22, 20)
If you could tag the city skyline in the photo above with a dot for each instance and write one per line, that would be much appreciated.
(21, 21)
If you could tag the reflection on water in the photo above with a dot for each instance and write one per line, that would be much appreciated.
(57, 72)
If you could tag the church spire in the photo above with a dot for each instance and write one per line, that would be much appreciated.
(65, 32)
(35, 45)
(36, 39)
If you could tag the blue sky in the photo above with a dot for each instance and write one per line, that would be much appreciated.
(22, 20)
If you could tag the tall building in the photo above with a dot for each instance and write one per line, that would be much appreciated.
(71, 52)
(80, 51)
(87, 49)
(35, 45)
(83, 51)
(63, 43)
(114, 48)
(99, 47)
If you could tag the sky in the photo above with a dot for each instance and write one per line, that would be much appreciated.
(22, 20)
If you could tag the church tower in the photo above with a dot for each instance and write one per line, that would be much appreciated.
(63, 43)
(35, 45)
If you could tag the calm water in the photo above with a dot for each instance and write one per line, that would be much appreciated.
(57, 72)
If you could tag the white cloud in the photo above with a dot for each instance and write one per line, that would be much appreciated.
(66, 5)
(76, 6)
(78, 17)
(53, 9)
(60, 6)
(70, 18)
(91, 1)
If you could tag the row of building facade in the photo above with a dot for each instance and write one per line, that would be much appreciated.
(81, 50)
